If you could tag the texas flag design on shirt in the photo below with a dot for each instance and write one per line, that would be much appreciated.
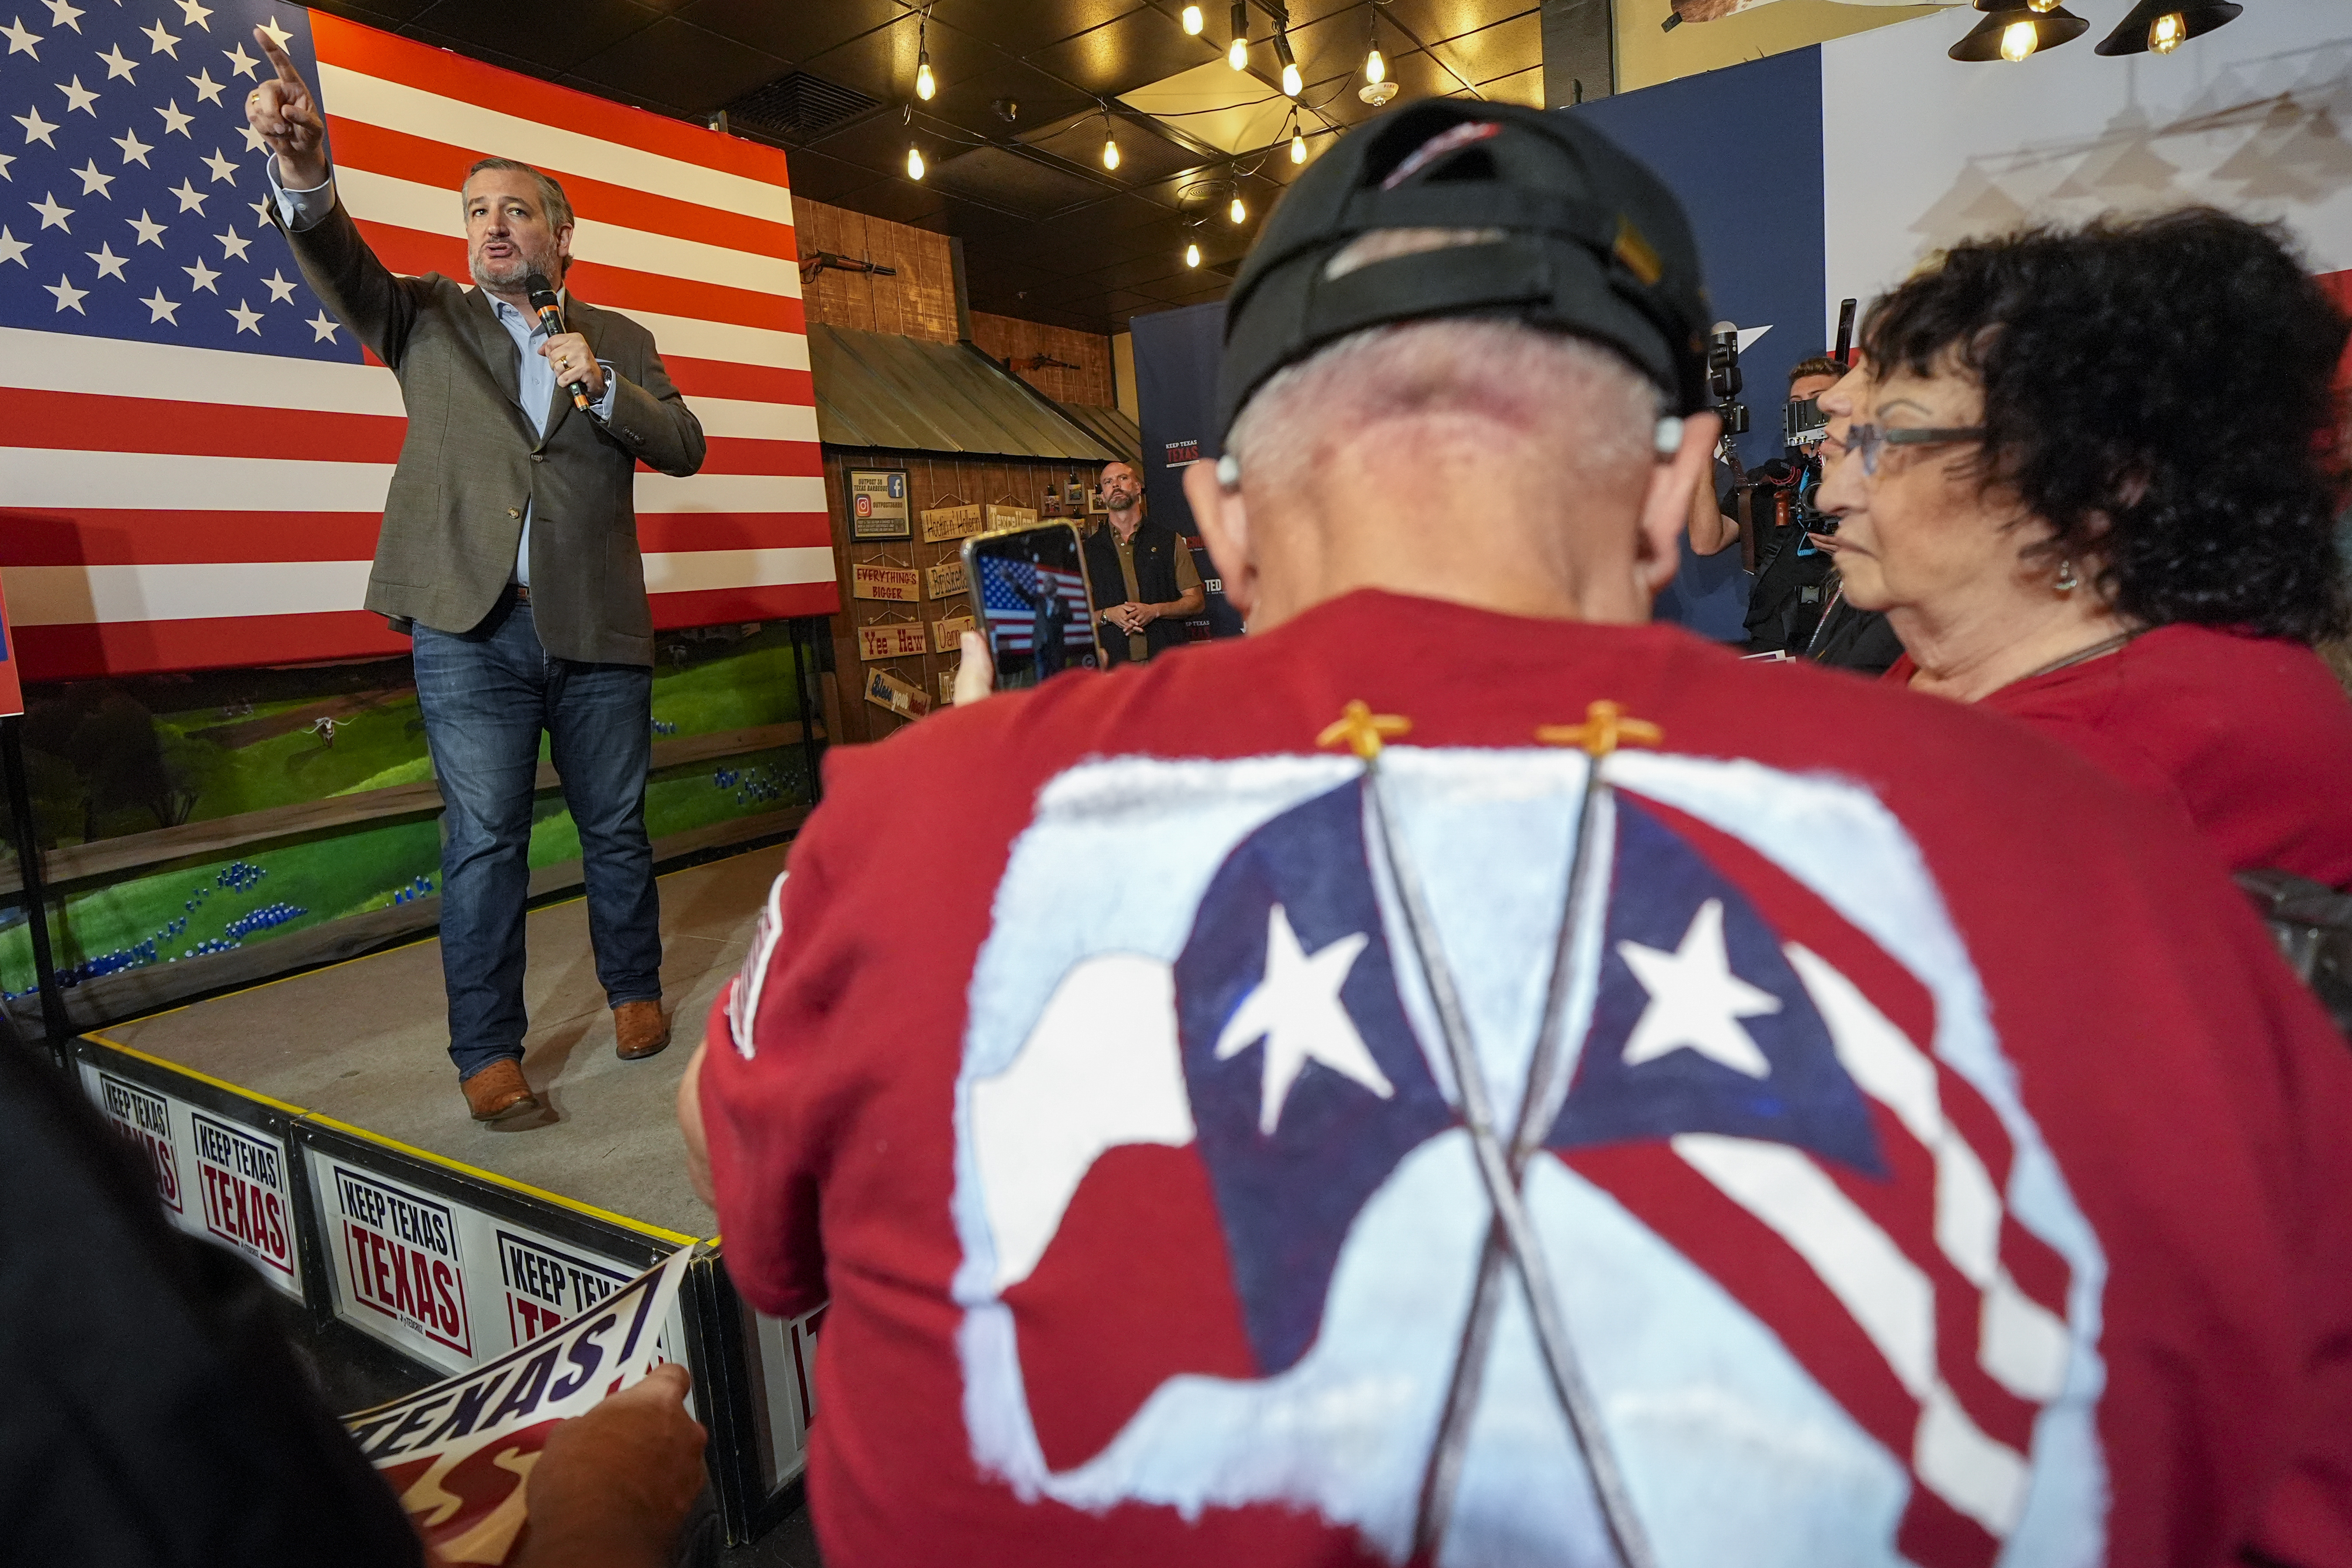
(1828, 1289)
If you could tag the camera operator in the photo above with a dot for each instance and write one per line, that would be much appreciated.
(1791, 570)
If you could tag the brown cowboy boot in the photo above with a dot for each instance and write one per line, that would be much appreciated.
(639, 1030)
(497, 1091)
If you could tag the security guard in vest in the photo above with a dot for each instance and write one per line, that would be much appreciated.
(1140, 574)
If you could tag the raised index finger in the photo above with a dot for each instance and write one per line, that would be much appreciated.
(288, 71)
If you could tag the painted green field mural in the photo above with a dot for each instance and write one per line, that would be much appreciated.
(107, 758)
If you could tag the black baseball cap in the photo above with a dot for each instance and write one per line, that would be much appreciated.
(1589, 242)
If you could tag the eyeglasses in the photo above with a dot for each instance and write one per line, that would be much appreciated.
(1868, 440)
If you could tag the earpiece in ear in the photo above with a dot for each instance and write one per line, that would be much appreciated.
(1229, 471)
(1669, 436)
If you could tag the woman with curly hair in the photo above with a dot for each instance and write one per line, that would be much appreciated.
(2092, 477)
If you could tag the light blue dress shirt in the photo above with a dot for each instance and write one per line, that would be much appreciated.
(534, 377)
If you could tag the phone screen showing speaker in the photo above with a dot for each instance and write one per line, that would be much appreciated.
(1028, 588)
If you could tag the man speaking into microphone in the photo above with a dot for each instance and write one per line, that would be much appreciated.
(509, 552)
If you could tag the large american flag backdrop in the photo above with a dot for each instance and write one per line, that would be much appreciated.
(196, 455)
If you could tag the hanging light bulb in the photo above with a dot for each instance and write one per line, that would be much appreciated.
(1297, 145)
(1237, 212)
(1192, 253)
(914, 163)
(1237, 54)
(1376, 69)
(1110, 149)
(1193, 21)
(925, 85)
(2041, 7)
(1291, 82)
(2017, 40)
(2167, 32)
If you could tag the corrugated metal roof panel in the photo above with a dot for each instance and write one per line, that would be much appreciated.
(1111, 426)
(880, 389)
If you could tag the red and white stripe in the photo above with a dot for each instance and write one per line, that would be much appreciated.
(1938, 1321)
(180, 508)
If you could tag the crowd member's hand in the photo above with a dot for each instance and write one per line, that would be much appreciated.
(283, 113)
(1131, 616)
(976, 672)
(612, 1487)
(569, 355)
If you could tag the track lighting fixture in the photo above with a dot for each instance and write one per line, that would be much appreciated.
(1237, 53)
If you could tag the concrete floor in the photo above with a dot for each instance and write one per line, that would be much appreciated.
(367, 1042)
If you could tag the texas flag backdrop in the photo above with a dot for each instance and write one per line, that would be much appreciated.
(196, 455)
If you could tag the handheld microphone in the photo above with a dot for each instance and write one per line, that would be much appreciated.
(550, 316)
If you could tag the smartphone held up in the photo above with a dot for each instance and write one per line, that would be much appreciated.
(1028, 588)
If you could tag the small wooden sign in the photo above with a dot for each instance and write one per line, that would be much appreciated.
(950, 523)
(947, 629)
(946, 687)
(895, 584)
(885, 690)
(904, 639)
(944, 581)
(877, 503)
(1011, 516)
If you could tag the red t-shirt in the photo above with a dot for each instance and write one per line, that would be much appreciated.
(1945, 1166)
(2252, 737)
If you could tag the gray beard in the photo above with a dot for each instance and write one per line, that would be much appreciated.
(522, 267)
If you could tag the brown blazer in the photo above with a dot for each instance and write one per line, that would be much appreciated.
(471, 461)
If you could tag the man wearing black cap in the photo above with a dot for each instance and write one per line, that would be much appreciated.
(1463, 1076)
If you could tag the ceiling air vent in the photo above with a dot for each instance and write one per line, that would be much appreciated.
(798, 108)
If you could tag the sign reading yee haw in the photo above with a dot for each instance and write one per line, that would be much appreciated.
(197, 453)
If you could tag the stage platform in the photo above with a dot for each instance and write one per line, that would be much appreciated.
(315, 1124)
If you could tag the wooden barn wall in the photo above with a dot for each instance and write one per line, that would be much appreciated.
(919, 300)
(1004, 338)
(932, 480)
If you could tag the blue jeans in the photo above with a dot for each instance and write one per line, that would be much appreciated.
(487, 694)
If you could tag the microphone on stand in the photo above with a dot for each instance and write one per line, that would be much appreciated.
(550, 316)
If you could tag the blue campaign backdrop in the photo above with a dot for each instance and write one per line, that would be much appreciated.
(1742, 148)
(1176, 354)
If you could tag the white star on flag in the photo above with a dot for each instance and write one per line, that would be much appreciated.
(118, 64)
(20, 41)
(1297, 1011)
(52, 215)
(202, 276)
(1695, 1002)
(159, 308)
(233, 246)
(92, 182)
(134, 151)
(208, 90)
(260, 211)
(191, 198)
(280, 291)
(323, 326)
(277, 35)
(174, 123)
(150, 231)
(78, 96)
(240, 62)
(222, 168)
(108, 264)
(35, 128)
(192, 14)
(160, 42)
(247, 319)
(6, 159)
(62, 14)
(254, 140)
(13, 249)
(69, 296)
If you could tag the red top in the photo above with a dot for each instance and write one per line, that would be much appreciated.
(2252, 737)
(1942, 1135)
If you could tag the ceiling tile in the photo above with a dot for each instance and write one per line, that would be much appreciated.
(1492, 53)
(472, 50)
(681, 64)
(791, 32)
(557, 34)
(374, 13)
(1144, 155)
(1022, 25)
(1143, 46)
(1149, 267)
(1526, 87)
(1013, 180)
(973, 76)
(828, 180)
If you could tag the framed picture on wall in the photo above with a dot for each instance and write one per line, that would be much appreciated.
(1094, 499)
(877, 504)
(1074, 494)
